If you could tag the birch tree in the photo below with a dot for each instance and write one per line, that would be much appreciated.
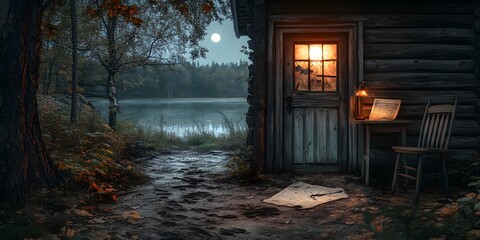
(158, 32)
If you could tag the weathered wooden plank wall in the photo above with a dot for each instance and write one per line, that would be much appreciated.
(413, 50)
(413, 60)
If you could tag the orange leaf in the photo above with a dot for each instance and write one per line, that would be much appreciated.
(82, 213)
(133, 10)
(136, 21)
(94, 186)
(70, 233)
(184, 10)
(206, 7)
(61, 166)
(114, 197)
(131, 215)
(448, 210)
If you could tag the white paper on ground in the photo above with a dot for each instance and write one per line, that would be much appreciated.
(303, 195)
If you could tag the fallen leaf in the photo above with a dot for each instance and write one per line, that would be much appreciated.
(349, 222)
(96, 221)
(473, 234)
(70, 233)
(376, 225)
(131, 215)
(94, 186)
(83, 213)
(107, 209)
(448, 210)
(89, 208)
(102, 235)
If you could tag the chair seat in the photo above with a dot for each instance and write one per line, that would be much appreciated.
(402, 149)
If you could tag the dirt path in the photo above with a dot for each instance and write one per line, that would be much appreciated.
(189, 198)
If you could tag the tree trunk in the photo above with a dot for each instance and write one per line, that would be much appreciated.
(73, 16)
(112, 70)
(23, 159)
(50, 74)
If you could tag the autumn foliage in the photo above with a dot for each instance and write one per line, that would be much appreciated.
(89, 155)
(113, 9)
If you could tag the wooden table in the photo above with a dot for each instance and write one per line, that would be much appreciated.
(386, 126)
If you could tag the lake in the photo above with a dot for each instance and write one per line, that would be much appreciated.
(180, 115)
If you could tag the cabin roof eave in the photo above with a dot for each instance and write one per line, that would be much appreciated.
(241, 16)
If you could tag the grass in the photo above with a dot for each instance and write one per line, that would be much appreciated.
(94, 163)
(89, 154)
(92, 156)
(199, 136)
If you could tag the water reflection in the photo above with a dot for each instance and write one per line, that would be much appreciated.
(181, 115)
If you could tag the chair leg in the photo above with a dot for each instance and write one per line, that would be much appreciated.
(405, 180)
(395, 173)
(419, 179)
(445, 173)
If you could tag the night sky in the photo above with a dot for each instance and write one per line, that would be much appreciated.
(228, 49)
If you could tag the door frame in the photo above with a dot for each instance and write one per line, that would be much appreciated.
(299, 100)
(348, 160)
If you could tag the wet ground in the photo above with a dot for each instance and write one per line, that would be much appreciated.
(191, 196)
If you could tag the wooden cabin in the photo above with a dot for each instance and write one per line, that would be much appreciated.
(309, 58)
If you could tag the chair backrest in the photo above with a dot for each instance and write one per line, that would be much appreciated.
(437, 125)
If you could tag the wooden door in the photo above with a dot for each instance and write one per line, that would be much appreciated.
(315, 72)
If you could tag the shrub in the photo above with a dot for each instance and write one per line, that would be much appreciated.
(89, 154)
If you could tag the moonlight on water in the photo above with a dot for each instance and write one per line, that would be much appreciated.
(215, 37)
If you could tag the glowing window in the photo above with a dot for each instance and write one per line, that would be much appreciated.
(315, 67)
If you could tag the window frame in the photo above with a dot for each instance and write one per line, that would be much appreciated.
(336, 60)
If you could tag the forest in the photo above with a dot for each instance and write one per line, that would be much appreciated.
(192, 80)
(182, 81)
(144, 69)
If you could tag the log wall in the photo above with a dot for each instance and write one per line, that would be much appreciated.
(416, 60)
(256, 99)
(413, 50)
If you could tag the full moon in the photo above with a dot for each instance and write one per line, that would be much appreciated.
(216, 37)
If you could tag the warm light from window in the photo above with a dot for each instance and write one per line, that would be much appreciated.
(315, 52)
(315, 67)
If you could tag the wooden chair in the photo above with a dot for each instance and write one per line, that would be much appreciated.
(433, 139)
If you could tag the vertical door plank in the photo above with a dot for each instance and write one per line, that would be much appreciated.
(332, 151)
(320, 137)
(309, 136)
(298, 136)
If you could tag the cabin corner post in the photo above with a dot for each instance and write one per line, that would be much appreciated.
(257, 84)
(476, 43)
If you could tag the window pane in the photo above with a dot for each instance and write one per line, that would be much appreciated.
(330, 51)
(330, 84)
(315, 51)
(316, 75)
(301, 52)
(330, 68)
(301, 75)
